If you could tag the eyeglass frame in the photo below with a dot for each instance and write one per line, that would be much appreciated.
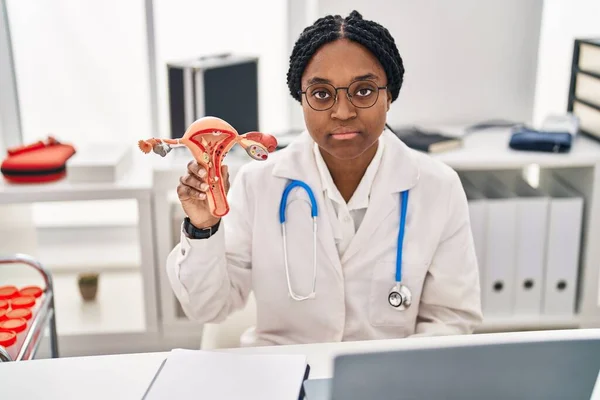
(300, 92)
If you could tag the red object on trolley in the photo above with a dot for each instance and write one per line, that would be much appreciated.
(3, 314)
(22, 302)
(8, 338)
(34, 291)
(8, 292)
(17, 313)
(15, 325)
(4, 304)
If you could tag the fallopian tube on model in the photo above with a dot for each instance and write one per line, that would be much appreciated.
(209, 139)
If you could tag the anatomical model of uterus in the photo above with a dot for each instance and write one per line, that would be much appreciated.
(209, 139)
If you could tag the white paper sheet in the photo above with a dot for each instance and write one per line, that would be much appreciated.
(196, 374)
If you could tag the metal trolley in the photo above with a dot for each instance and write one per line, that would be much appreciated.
(44, 317)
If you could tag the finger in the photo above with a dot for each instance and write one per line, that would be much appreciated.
(225, 175)
(183, 193)
(195, 169)
(225, 172)
(193, 182)
(188, 193)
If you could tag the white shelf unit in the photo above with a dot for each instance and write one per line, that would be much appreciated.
(488, 151)
(482, 151)
(136, 185)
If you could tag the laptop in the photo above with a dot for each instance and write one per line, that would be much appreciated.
(552, 369)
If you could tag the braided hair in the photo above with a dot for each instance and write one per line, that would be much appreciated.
(371, 35)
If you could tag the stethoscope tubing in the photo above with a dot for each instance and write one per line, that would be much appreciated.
(314, 214)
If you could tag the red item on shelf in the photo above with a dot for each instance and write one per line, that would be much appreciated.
(34, 291)
(22, 302)
(8, 292)
(17, 313)
(38, 162)
(13, 151)
(8, 338)
(3, 314)
(16, 325)
(4, 304)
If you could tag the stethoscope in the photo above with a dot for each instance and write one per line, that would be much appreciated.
(399, 296)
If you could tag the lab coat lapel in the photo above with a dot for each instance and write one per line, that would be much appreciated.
(297, 162)
(397, 172)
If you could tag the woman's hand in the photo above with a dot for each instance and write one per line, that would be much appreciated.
(192, 190)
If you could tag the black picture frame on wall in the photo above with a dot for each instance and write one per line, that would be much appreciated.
(585, 109)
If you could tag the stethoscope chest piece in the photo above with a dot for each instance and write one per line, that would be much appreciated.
(400, 297)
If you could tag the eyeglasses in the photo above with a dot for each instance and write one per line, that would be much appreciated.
(362, 94)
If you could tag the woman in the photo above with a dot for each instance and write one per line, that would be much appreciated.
(345, 73)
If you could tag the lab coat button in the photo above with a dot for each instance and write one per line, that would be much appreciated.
(183, 252)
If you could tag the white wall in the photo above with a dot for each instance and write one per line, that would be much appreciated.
(82, 72)
(83, 75)
(186, 29)
(300, 15)
(82, 66)
(563, 22)
(2, 145)
(465, 60)
(10, 123)
(81, 69)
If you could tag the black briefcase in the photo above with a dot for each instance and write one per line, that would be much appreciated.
(223, 86)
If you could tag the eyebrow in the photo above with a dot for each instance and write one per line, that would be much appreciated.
(317, 79)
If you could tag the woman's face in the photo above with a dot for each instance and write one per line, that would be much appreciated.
(344, 131)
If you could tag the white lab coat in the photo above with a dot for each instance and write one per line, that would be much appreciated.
(213, 277)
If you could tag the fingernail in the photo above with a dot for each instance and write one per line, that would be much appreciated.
(201, 172)
(204, 186)
(202, 196)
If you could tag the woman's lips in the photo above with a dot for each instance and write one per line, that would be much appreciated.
(344, 134)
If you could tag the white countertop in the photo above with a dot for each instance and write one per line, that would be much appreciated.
(488, 149)
(137, 182)
(482, 150)
(128, 376)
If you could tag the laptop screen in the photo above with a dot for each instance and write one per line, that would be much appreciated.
(558, 369)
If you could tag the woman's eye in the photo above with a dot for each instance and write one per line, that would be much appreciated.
(321, 94)
(364, 92)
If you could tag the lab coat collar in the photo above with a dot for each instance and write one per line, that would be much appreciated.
(360, 198)
(297, 161)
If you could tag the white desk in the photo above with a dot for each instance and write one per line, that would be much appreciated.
(127, 376)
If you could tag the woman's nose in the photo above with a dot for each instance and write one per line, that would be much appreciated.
(343, 109)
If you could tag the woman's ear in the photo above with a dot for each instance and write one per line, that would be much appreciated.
(389, 100)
